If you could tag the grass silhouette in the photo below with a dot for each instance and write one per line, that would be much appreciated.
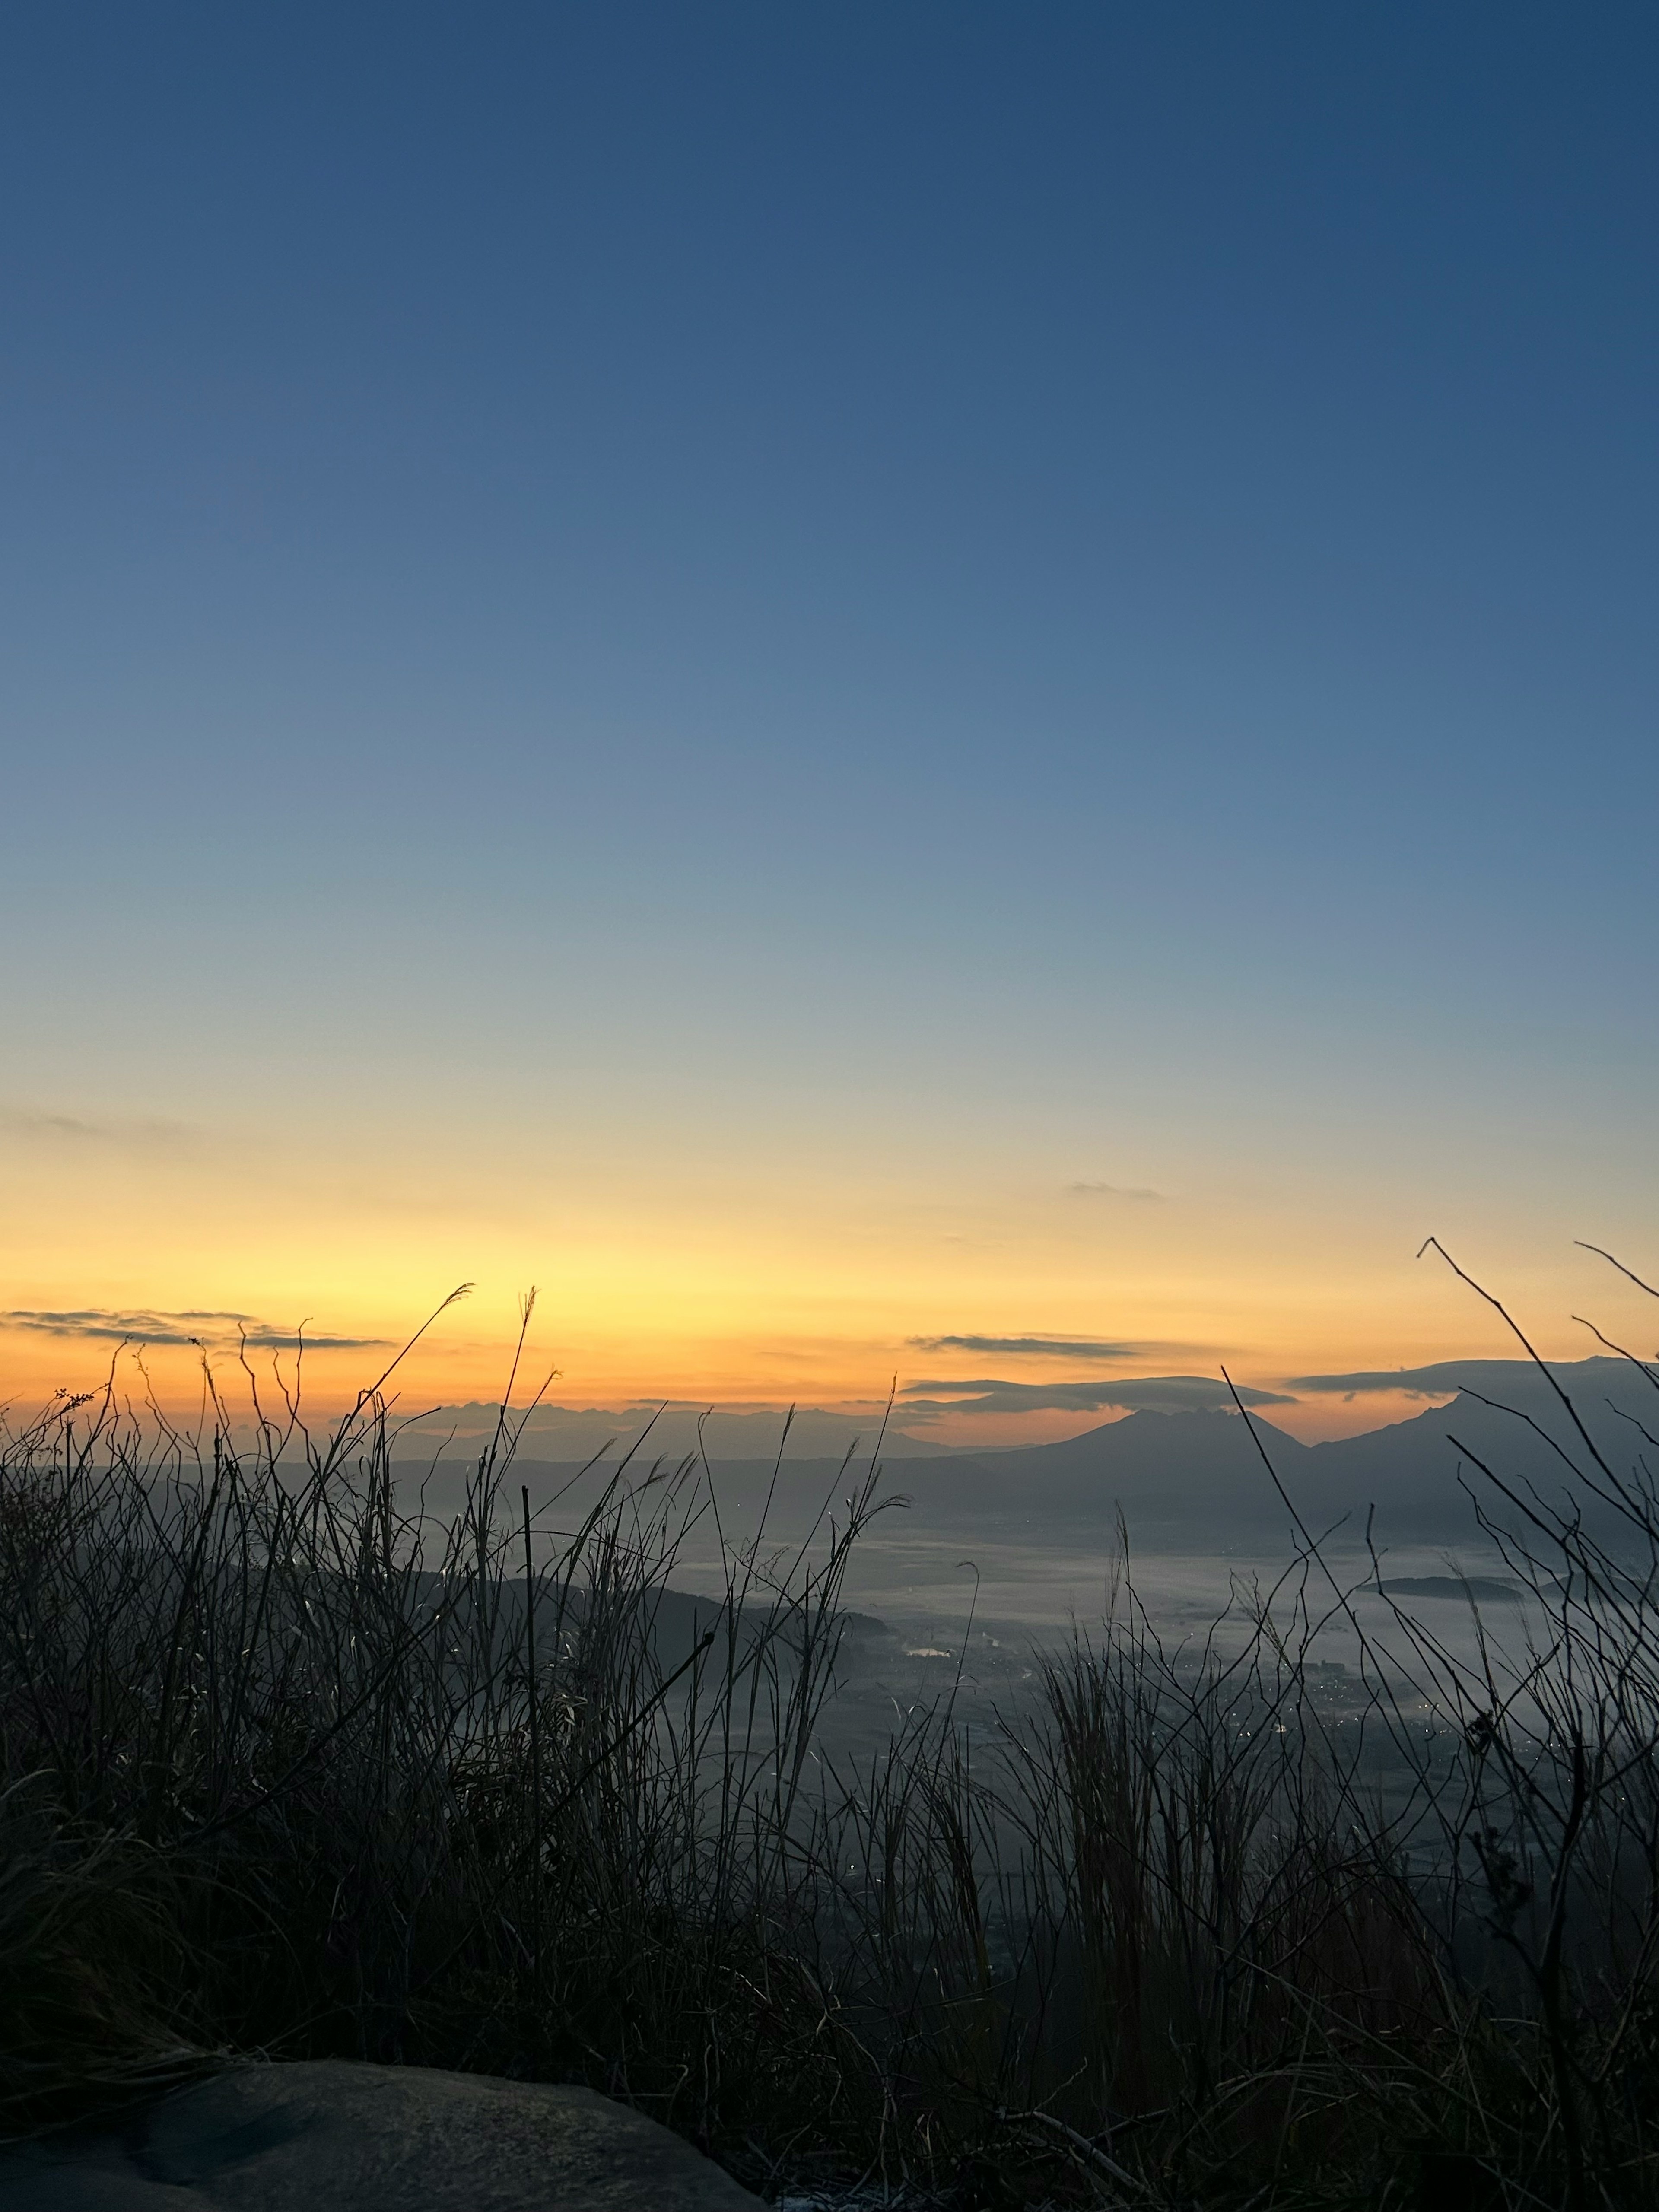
(289, 1768)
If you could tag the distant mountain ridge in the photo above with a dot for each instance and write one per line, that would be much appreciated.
(1192, 1468)
(1195, 1477)
(576, 1433)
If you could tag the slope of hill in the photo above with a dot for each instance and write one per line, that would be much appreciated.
(1153, 1467)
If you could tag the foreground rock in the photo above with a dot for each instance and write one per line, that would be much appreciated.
(329, 2137)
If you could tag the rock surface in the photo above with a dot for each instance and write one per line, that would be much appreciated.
(329, 2137)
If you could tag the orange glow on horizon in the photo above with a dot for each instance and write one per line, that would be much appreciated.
(474, 1369)
(739, 1282)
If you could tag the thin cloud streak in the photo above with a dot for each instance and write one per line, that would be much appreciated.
(102, 1324)
(1045, 1347)
(156, 1134)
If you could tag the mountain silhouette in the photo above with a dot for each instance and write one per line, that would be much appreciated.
(1191, 1480)
(1201, 1474)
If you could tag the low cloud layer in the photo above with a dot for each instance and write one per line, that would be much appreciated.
(105, 1325)
(751, 1431)
(1147, 1394)
(1118, 1190)
(1046, 1347)
(1490, 1377)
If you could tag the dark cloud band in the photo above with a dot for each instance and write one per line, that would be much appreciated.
(1045, 1347)
(101, 1325)
(1149, 1394)
(1415, 1381)
(1445, 1378)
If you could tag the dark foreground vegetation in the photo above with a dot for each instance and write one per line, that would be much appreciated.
(286, 1769)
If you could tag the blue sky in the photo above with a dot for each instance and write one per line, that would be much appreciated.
(930, 599)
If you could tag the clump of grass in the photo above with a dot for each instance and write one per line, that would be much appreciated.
(288, 1767)
(377, 1789)
(91, 1959)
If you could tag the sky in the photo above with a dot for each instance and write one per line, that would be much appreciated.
(834, 680)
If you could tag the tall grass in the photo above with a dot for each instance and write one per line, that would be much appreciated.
(288, 1767)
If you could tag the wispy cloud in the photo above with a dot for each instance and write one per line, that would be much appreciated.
(1147, 1394)
(107, 1325)
(1045, 1347)
(1121, 1191)
(30, 1124)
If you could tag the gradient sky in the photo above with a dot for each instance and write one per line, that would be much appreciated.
(827, 675)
